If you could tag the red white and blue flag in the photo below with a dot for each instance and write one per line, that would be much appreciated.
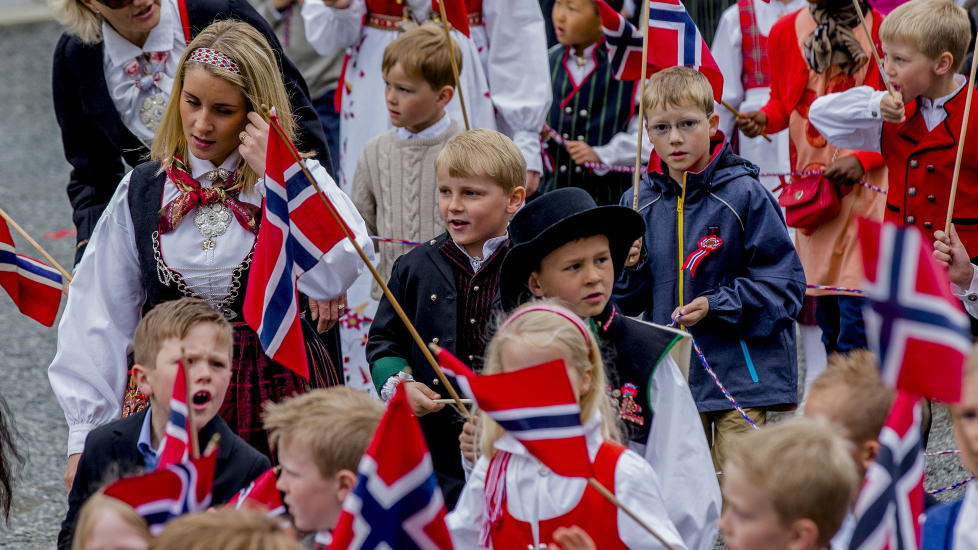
(888, 510)
(674, 40)
(913, 323)
(261, 495)
(537, 406)
(34, 287)
(168, 492)
(457, 13)
(397, 502)
(297, 229)
(176, 438)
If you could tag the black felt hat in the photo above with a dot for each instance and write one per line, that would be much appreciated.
(553, 220)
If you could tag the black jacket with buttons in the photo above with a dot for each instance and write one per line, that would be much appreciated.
(424, 284)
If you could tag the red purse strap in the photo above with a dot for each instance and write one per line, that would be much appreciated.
(184, 20)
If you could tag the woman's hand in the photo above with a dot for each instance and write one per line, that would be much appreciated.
(422, 398)
(327, 313)
(254, 141)
(845, 171)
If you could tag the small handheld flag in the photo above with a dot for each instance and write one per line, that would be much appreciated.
(397, 502)
(261, 495)
(913, 323)
(175, 448)
(34, 287)
(297, 229)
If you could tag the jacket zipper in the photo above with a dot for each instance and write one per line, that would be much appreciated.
(679, 232)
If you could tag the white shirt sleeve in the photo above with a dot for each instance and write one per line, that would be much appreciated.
(730, 58)
(329, 30)
(88, 373)
(637, 487)
(969, 296)
(339, 267)
(850, 119)
(466, 520)
(620, 149)
(518, 72)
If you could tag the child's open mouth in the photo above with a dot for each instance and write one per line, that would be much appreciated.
(201, 398)
(594, 298)
(458, 224)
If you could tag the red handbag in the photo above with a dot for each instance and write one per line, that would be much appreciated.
(809, 201)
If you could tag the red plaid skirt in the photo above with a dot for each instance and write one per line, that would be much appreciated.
(255, 379)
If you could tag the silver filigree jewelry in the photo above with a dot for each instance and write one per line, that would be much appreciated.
(151, 111)
(212, 220)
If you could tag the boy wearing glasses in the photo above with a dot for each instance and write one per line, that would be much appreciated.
(716, 258)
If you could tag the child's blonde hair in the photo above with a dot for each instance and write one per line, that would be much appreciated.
(931, 26)
(77, 20)
(260, 80)
(423, 53)
(485, 153)
(94, 508)
(542, 328)
(852, 388)
(227, 529)
(804, 469)
(335, 424)
(174, 319)
(678, 87)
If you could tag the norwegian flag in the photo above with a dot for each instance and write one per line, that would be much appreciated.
(888, 510)
(537, 406)
(168, 492)
(34, 287)
(674, 40)
(261, 495)
(396, 502)
(176, 438)
(297, 229)
(457, 13)
(913, 323)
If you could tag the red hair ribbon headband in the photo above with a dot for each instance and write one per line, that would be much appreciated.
(214, 58)
(565, 313)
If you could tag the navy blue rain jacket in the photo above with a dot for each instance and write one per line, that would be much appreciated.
(754, 281)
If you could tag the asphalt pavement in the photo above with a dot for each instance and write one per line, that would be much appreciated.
(33, 174)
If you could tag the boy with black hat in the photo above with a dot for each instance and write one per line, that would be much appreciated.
(564, 246)
(447, 286)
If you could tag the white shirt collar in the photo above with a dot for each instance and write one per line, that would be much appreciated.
(488, 249)
(199, 167)
(934, 104)
(160, 37)
(434, 130)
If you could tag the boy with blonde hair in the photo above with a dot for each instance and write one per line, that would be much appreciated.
(226, 529)
(924, 42)
(187, 329)
(320, 437)
(951, 526)
(787, 486)
(716, 259)
(448, 287)
(851, 394)
(394, 185)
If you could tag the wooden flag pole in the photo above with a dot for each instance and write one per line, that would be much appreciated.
(451, 56)
(54, 263)
(872, 47)
(735, 112)
(621, 506)
(192, 432)
(964, 133)
(373, 270)
(637, 176)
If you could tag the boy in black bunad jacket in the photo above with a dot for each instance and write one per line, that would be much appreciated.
(565, 246)
(448, 287)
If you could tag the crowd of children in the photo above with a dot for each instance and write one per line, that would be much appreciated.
(511, 244)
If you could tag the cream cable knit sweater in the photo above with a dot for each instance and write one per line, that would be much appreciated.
(395, 190)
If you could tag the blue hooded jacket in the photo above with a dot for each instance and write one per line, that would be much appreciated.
(754, 281)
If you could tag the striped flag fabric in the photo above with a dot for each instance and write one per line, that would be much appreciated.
(396, 502)
(674, 40)
(297, 229)
(168, 492)
(175, 448)
(537, 405)
(888, 509)
(261, 495)
(34, 287)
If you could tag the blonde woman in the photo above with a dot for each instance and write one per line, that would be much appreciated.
(167, 233)
(527, 502)
(113, 71)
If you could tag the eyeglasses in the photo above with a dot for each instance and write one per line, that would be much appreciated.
(115, 4)
(687, 125)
